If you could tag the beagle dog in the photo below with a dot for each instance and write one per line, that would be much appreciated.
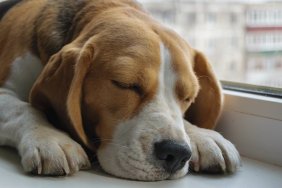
(84, 79)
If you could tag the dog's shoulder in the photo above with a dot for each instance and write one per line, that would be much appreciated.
(5, 6)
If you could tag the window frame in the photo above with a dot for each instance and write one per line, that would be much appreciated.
(254, 124)
(253, 89)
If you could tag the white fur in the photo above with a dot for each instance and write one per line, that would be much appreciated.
(43, 149)
(23, 74)
(130, 154)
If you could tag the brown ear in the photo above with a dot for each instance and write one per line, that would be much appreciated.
(205, 111)
(58, 90)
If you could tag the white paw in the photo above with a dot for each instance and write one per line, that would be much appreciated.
(211, 152)
(50, 152)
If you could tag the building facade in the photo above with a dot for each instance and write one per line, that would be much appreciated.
(264, 44)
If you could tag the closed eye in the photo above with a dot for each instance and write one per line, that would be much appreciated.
(188, 99)
(134, 87)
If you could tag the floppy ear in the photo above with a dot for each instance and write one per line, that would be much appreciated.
(57, 91)
(205, 111)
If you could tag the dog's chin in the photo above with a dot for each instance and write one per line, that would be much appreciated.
(126, 164)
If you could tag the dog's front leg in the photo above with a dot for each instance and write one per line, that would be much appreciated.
(43, 149)
(211, 152)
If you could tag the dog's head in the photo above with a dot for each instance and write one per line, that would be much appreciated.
(122, 89)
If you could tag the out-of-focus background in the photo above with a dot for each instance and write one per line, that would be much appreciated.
(241, 38)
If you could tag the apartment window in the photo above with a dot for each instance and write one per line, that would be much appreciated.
(233, 18)
(191, 19)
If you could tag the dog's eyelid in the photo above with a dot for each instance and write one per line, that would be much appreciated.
(121, 84)
(187, 99)
(134, 87)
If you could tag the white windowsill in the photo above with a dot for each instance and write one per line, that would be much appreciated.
(251, 174)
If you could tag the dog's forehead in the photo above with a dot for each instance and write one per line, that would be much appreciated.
(177, 64)
(181, 57)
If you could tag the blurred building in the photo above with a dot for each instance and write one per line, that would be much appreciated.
(264, 44)
(218, 30)
(242, 41)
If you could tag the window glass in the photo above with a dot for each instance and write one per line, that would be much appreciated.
(241, 38)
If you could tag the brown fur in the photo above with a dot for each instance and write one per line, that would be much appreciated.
(112, 40)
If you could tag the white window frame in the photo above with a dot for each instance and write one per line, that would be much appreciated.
(254, 124)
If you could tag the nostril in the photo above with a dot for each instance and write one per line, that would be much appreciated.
(172, 155)
(170, 158)
(185, 160)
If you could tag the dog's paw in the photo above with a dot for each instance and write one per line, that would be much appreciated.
(211, 152)
(52, 153)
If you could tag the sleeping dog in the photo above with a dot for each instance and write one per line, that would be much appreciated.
(100, 78)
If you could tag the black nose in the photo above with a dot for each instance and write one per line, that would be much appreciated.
(172, 155)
